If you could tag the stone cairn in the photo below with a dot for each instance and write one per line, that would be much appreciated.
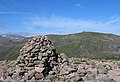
(37, 58)
(39, 53)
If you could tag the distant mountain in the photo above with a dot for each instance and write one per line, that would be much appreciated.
(85, 44)
(10, 38)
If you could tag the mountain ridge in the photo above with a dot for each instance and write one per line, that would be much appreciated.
(4, 38)
(85, 44)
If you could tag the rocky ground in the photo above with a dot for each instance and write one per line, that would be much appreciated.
(78, 70)
(39, 62)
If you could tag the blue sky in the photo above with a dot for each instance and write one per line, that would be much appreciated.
(59, 16)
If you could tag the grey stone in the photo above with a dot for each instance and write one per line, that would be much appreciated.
(29, 48)
(38, 69)
(31, 65)
(108, 67)
(35, 50)
(40, 57)
(8, 79)
(38, 76)
(30, 74)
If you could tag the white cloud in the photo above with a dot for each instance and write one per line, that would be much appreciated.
(113, 20)
(59, 24)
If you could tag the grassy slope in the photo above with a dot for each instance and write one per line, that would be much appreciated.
(10, 50)
(89, 44)
(86, 44)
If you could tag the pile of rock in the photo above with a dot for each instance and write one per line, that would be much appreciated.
(38, 51)
(37, 58)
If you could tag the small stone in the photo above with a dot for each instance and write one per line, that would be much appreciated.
(37, 46)
(2, 78)
(42, 50)
(35, 50)
(102, 71)
(21, 65)
(38, 69)
(29, 48)
(26, 58)
(49, 52)
(39, 76)
(82, 72)
(50, 76)
(21, 73)
(31, 65)
(32, 42)
(31, 74)
(63, 56)
(40, 57)
(8, 79)
(108, 67)
(101, 76)
(37, 62)
(35, 58)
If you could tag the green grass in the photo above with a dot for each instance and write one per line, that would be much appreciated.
(86, 44)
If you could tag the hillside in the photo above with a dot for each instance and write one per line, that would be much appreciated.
(88, 44)
(85, 44)
(10, 46)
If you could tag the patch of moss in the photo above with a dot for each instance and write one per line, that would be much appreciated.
(77, 62)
